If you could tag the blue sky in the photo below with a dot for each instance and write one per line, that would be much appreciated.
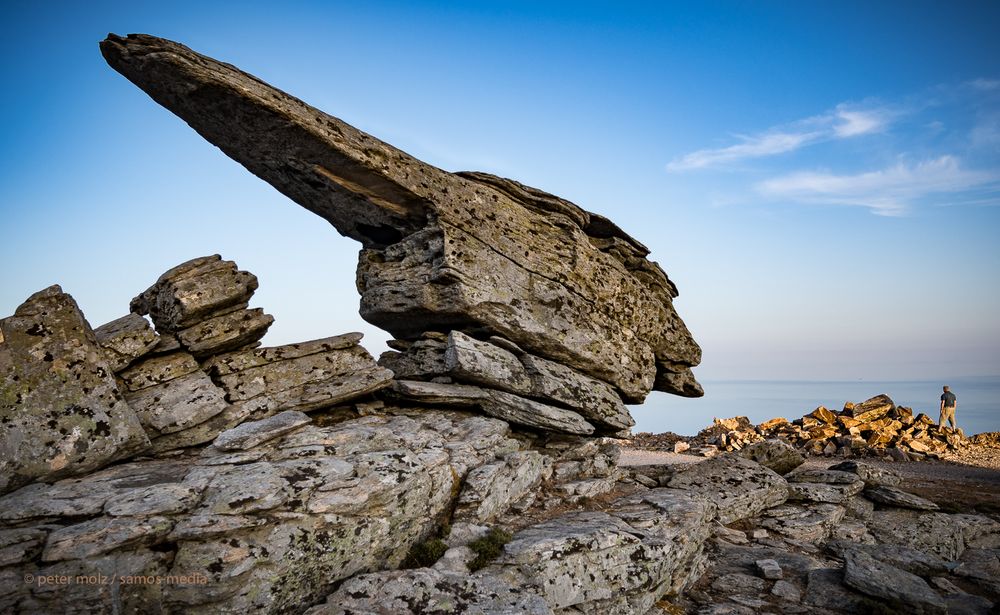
(821, 180)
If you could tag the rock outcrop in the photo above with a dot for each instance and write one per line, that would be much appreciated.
(184, 468)
(847, 554)
(443, 251)
(243, 502)
(263, 522)
(61, 413)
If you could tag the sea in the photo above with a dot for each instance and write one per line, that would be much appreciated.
(759, 400)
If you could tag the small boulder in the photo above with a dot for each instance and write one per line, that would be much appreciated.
(740, 487)
(776, 455)
(898, 588)
(891, 496)
(126, 339)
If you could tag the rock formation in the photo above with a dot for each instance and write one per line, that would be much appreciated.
(442, 251)
(182, 468)
(245, 503)
(308, 478)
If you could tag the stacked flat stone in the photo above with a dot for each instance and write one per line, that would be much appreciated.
(75, 399)
(506, 382)
(203, 305)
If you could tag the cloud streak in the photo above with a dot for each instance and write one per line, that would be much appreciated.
(843, 122)
(887, 192)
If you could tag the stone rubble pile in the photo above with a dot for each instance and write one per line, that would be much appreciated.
(875, 427)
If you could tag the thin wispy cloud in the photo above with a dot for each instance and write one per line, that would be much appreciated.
(941, 144)
(986, 85)
(856, 123)
(843, 122)
(888, 192)
(751, 147)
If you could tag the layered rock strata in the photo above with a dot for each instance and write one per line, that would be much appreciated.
(203, 303)
(264, 522)
(514, 378)
(442, 251)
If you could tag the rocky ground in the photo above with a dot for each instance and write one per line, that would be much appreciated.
(819, 552)
(966, 481)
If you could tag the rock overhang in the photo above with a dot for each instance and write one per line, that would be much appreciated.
(442, 251)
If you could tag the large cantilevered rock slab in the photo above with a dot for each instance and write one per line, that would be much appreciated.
(443, 251)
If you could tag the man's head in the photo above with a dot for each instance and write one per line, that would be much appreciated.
(946, 388)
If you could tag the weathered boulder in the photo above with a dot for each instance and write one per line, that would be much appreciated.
(251, 434)
(126, 339)
(738, 486)
(612, 563)
(267, 528)
(891, 496)
(425, 590)
(872, 409)
(803, 521)
(491, 489)
(905, 558)
(873, 475)
(177, 404)
(900, 589)
(932, 532)
(465, 359)
(61, 413)
(157, 370)
(442, 250)
(227, 332)
(829, 477)
(824, 492)
(507, 406)
(530, 413)
(195, 291)
(774, 454)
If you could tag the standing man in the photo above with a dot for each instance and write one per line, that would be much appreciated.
(948, 405)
